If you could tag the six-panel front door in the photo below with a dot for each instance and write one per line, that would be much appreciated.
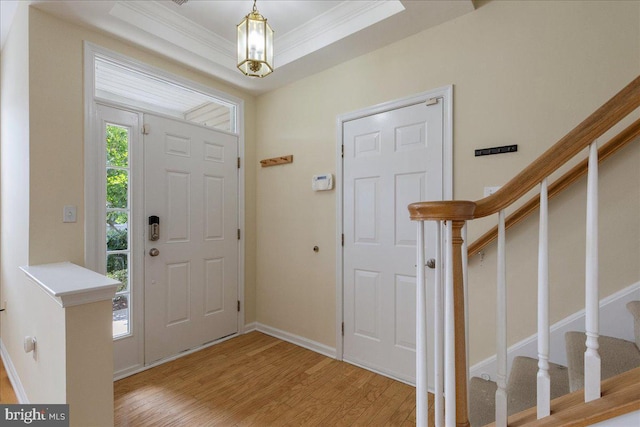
(391, 159)
(191, 271)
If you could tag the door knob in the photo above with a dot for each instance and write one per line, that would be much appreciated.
(431, 263)
(154, 252)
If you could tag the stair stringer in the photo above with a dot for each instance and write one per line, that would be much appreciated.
(615, 321)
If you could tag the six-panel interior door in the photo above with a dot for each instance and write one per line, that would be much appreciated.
(191, 184)
(391, 159)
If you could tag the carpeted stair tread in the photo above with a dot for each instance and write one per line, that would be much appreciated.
(522, 386)
(634, 309)
(521, 390)
(616, 355)
(482, 407)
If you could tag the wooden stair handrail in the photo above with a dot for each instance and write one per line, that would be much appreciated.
(613, 146)
(605, 117)
(457, 212)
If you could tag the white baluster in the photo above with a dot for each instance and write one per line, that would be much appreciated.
(449, 333)
(591, 356)
(544, 382)
(501, 328)
(421, 331)
(465, 285)
(439, 334)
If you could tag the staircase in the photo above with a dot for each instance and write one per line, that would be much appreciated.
(618, 356)
(591, 388)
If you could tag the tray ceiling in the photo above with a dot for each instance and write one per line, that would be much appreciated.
(310, 35)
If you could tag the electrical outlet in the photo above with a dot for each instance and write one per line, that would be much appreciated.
(69, 214)
(490, 190)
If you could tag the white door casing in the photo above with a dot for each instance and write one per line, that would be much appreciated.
(129, 350)
(392, 157)
(191, 286)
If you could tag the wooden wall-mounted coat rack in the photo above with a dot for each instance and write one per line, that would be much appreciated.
(282, 160)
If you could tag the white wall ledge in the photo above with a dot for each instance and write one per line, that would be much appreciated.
(69, 284)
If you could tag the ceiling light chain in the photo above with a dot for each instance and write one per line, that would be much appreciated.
(255, 45)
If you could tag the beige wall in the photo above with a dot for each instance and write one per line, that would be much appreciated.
(90, 393)
(57, 174)
(523, 73)
(29, 310)
(42, 170)
(57, 139)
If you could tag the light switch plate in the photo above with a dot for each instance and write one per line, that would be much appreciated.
(69, 214)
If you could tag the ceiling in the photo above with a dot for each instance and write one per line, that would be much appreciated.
(310, 35)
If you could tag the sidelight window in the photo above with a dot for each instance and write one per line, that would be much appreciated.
(117, 223)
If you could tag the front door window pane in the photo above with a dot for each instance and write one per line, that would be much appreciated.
(117, 188)
(117, 223)
(121, 315)
(118, 269)
(117, 231)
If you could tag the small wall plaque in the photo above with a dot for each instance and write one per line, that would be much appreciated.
(496, 150)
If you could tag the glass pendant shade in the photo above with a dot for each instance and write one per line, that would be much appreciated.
(255, 45)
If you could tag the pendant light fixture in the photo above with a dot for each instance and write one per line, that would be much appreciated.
(255, 45)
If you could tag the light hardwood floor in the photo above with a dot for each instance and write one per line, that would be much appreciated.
(258, 380)
(7, 395)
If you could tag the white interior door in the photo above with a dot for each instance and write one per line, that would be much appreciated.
(191, 285)
(391, 159)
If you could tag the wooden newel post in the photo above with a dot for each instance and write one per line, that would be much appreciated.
(462, 415)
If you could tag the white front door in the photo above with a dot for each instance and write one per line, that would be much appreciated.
(391, 159)
(191, 271)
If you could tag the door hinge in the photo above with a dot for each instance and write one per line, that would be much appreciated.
(342, 240)
(432, 101)
(239, 234)
(145, 129)
(342, 151)
(238, 306)
(238, 162)
(342, 328)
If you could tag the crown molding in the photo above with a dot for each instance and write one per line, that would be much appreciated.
(345, 19)
(162, 22)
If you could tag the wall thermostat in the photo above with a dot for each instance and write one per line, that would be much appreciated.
(322, 182)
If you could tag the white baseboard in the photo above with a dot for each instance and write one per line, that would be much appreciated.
(250, 327)
(18, 389)
(615, 320)
(296, 339)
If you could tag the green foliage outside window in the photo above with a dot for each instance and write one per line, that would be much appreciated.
(117, 198)
(117, 146)
(117, 179)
